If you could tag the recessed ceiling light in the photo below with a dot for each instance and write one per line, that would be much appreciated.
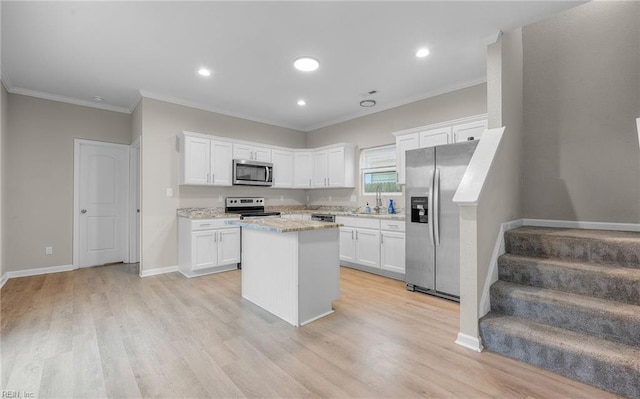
(204, 72)
(98, 99)
(367, 103)
(302, 103)
(306, 64)
(423, 52)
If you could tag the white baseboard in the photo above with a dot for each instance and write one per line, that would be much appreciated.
(158, 270)
(35, 272)
(469, 342)
(581, 224)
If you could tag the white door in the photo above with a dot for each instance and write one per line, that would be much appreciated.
(229, 246)
(347, 244)
(335, 167)
(302, 169)
(432, 138)
(404, 144)
(204, 249)
(221, 163)
(392, 255)
(282, 168)
(262, 154)
(320, 162)
(368, 247)
(469, 131)
(197, 155)
(101, 192)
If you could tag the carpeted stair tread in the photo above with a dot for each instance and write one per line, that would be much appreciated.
(599, 317)
(597, 246)
(603, 281)
(606, 364)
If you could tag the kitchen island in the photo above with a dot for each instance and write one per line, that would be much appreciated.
(290, 267)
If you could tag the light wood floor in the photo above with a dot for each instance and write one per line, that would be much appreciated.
(106, 332)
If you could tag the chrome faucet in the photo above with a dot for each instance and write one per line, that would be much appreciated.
(378, 206)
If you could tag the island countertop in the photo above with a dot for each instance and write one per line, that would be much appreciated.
(279, 225)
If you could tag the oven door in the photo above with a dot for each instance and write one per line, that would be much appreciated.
(252, 173)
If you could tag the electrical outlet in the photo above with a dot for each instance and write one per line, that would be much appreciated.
(169, 192)
(282, 198)
(48, 250)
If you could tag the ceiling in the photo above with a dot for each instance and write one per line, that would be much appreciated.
(73, 51)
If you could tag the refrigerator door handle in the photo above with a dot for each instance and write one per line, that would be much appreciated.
(430, 208)
(436, 207)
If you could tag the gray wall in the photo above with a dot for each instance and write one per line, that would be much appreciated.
(581, 98)
(376, 130)
(161, 122)
(3, 159)
(39, 175)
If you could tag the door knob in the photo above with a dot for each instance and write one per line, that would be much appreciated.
(83, 211)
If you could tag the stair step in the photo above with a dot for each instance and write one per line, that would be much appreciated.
(605, 364)
(602, 281)
(599, 317)
(597, 246)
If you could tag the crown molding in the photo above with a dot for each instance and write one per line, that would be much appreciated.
(202, 107)
(396, 104)
(67, 100)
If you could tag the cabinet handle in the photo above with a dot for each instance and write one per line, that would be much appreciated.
(215, 237)
(356, 234)
(325, 181)
(352, 234)
(309, 182)
(328, 181)
(220, 236)
(208, 180)
(381, 239)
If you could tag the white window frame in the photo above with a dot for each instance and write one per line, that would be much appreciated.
(364, 171)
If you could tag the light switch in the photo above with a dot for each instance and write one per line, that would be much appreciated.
(169, 192)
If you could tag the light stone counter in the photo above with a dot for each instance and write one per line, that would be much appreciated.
(279, 225)
(206, 213)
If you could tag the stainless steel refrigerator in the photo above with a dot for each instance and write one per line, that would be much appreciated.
(433, 228)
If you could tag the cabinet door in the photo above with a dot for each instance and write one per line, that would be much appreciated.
(282, 168)
(432, 138)
(196, 161)
(347, 244)
(392, 254)
(320, 161)
(229, 246)
(303, 169)
(368, 247)
(242, 151)
(262, 154)
(221, 163)
(403, 144)
(204, 249)
(471, 130)
(335, 167)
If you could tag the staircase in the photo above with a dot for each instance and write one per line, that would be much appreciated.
(568, 300)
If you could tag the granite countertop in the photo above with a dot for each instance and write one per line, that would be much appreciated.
(218, 213)
(279, 225)
(206, 213)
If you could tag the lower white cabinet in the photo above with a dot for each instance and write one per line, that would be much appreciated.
(207, 246)
(375, 243)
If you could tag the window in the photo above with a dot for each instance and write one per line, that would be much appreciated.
(378, 167)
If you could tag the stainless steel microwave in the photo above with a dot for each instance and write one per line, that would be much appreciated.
(252, 173)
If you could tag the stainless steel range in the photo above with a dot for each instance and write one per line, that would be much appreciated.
(248, 207)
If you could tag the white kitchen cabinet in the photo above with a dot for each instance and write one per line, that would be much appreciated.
(302, 169)
(207, 246)
(470, 130)
(251, 152)
(403, 144)
(334, 167)
(437, 134)
(282, 168)
(204, 161)
(392, 249)
(360, 241)
(368, 247)
(434, 137)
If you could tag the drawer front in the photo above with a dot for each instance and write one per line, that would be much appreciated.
(347, 221)
(392, 225)
(209, 224)
(368, 223)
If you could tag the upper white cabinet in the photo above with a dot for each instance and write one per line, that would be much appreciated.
(469, 131)
(334, 167)
(437, 134)
(282, 168)
(207, 161)
(302, 169)
(252, 152)
(204, 161)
